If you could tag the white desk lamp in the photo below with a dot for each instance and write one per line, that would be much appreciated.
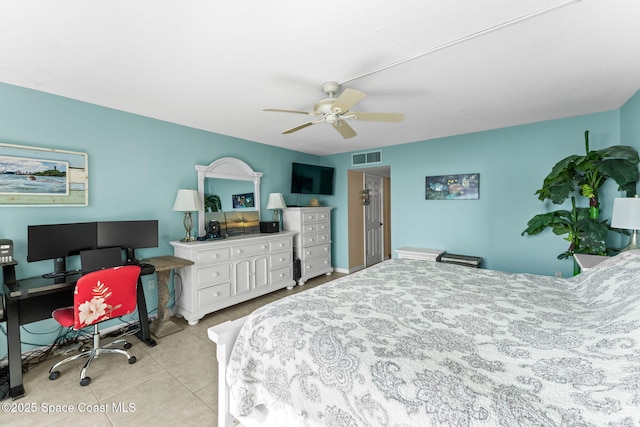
(276, 202)
(187, 201)
(626, 214)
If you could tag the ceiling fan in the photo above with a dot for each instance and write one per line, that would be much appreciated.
(336, 111)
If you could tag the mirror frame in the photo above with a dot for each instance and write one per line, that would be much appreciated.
(227, 168)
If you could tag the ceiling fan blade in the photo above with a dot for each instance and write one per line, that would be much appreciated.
(344, 129)
(348, 99)
(278, 110)
(376, 117)
(297, 128)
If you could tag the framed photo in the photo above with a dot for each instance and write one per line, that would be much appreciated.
(453, 187)
(245, 200)
(40, 176)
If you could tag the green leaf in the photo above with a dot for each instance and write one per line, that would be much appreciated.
(621, 171)
(623, 152)
(557, 219)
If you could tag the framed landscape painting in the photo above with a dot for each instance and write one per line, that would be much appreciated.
(453, 187)
(40, 176)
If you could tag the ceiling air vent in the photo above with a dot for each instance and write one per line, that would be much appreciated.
(368, 158)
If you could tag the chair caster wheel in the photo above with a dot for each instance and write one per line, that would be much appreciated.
(132, 360)
(85, 381)
(128, 345)
(54, 375)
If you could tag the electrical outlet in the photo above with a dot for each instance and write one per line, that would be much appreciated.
(151, 284)
(558, 273)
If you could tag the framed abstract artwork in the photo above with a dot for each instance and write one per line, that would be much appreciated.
(40, 176)
(246, 200)
(453, 187)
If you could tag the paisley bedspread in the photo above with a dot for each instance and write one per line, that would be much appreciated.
(419, 343)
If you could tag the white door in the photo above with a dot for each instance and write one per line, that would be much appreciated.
(373, 220)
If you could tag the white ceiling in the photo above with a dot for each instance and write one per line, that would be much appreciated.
(214, 65)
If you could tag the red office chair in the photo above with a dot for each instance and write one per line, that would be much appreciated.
(100, 295)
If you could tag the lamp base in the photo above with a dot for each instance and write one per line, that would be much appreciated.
(187, 222)
(633, 242)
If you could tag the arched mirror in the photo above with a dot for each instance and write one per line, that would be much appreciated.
(227, 185)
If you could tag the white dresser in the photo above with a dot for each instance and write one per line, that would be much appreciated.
(229, 271)
(313, 239)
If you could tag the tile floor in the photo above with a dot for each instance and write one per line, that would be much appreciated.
(173, 383)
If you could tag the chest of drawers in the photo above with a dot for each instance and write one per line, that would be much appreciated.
(312, 242)
(230, 271)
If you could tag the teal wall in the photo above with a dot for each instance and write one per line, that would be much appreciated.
(137, 164)
(512, 163)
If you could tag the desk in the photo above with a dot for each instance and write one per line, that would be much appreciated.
(35, 298)
(163, 325)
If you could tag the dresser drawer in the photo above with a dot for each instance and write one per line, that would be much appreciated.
(323, 216)
(279, 260)
(309, 229)
(213, 294)
(240, 251)
(280, 275)
(309, 240)
(310, 267)
(212, 256)
(316, 252)
(309, 217)
(280, 245)
(323, 227)
(214, 274)
(324, 238)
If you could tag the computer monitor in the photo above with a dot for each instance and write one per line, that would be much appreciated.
(97, 259)
(58, 241)
(128, 235)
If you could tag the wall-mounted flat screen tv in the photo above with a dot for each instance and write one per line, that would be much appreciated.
(311, 179)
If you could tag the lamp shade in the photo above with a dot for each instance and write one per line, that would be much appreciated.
(187, 201)
(626, 213)
(276, 201)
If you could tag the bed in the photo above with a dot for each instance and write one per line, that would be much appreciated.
(417, 343)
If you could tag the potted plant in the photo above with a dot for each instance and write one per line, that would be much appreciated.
(584, 175)
(212, 203)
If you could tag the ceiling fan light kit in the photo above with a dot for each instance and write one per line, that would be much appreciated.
(336, 110)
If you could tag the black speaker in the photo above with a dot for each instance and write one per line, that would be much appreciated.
(297, 269)
(269, 226)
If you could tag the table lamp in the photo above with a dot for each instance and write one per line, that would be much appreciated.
(187, 201)
(626, 214)
(276, 202)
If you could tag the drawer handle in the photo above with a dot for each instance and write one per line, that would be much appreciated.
(216, 294)
(281, 244)
(326, 249)
(311, 239)
(216, 274)
(308, 267)
(281, 274)
(238, 251)
(264, 246)
(214, 256)
(308, 252)
(281, 259)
